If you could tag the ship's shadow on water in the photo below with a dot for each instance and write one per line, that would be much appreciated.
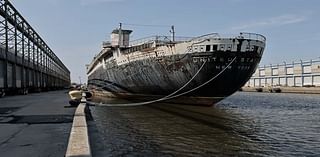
(173, 129)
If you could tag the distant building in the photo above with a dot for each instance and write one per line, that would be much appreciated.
(295, 74)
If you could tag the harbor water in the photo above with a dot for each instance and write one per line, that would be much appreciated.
(244, 124)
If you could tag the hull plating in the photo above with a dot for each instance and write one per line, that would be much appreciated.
(163, 75)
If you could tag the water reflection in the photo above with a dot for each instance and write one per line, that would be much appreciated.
(171, 130)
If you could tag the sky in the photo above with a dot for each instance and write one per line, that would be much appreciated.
(75, 29)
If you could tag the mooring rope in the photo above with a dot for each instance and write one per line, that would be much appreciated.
(172, 95)
(191, 90)
(161, 99)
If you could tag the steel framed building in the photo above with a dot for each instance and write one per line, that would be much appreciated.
(26, 61)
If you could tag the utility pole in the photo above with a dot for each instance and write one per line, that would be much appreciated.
(120, 42)
(173, 33)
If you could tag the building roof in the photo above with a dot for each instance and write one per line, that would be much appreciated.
(125, 31)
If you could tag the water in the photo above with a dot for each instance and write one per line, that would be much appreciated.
(245, 124)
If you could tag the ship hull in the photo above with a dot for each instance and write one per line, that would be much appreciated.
(109, 98)
(158, 77)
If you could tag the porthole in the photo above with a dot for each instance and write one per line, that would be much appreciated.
(222, 47)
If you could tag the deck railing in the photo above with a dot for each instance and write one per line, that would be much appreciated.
(158, 39)
(166, 39)
(242, 35)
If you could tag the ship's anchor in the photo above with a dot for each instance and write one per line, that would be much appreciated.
(172, 95)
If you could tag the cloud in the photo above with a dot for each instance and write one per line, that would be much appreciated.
(92, 2)
(273, 21)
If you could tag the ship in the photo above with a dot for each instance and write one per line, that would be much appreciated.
(199, 70)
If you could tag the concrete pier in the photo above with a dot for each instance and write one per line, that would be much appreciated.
(35, 125)
(79, 138)
(297, 90)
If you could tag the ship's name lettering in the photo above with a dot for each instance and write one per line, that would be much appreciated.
(222, 59)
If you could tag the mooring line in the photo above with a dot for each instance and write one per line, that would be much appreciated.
(161, 99)
(172, 95)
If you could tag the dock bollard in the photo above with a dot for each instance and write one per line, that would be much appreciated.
(75, 96)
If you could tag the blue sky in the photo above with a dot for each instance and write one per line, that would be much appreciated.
(75, 29)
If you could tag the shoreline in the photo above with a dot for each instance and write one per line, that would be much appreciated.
(296, 90)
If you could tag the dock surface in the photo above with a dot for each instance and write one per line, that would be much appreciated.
(35, 125)
(296, 90)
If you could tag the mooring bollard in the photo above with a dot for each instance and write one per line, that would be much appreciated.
(75, 96)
